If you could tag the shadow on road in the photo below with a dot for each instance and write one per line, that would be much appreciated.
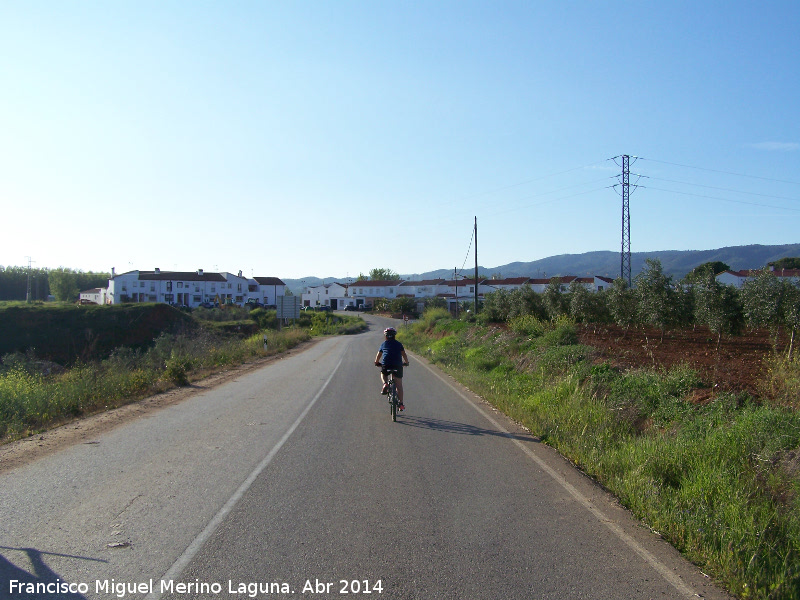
(460, 428)
(35, 585)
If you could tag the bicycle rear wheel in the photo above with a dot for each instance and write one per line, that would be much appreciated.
(393, 401)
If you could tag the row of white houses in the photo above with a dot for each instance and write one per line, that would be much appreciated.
(338, 296)
(186, 288)
(194, 288)
(365, 292)
(738, 278)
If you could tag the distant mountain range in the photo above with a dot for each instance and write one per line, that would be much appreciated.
(675, 262)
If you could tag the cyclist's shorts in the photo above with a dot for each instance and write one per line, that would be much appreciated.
(399, 371)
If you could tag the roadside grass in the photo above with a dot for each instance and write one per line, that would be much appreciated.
(720, 481)
(37, 394)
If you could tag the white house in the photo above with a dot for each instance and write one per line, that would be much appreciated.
(266, 289)
(366, 291)
(487, 286)
(739, 278)
(182, 288)
(336, 295)
(426, 288)
(94, 296)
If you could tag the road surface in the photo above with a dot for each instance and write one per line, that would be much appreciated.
(291, 481)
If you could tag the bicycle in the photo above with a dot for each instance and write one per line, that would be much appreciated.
(394, 402)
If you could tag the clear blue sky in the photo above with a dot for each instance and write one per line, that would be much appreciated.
(326, 138)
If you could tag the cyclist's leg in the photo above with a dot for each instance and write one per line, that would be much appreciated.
(398, 382)
(384, 381)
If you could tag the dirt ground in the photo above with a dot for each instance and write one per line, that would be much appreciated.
(738, 367)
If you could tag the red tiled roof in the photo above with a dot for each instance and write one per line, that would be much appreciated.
(371, 283)
(424, 282)
(508, 281)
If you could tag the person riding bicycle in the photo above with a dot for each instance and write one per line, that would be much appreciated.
(392, 356)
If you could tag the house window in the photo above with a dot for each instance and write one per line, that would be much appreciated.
(239, 288)
(391, 290)
(152, 287)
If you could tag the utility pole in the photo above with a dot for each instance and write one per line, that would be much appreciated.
(28, 293)
(476, 265)
(625, 254)
(455, 283)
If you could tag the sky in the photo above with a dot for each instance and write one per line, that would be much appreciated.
(322, 138)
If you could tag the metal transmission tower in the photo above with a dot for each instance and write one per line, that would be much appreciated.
(625, 254)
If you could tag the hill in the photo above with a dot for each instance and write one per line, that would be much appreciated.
(603, 262)
(675, 262)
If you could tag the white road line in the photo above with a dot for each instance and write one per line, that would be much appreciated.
(184, 559)
(660, 567)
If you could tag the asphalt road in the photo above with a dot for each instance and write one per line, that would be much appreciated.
(292, 482)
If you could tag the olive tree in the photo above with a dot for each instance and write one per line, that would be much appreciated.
(762, 298)
(621, 303)
(580, 302)
(717, 306)
(524, 301)
(656, 298)
(555, 304)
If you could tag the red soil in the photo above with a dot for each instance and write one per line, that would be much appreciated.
(739, 366)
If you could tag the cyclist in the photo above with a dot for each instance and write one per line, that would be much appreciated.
(392, 355)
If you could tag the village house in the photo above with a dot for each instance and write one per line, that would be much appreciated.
(738, 278)
(366, 291)
(335, 295)
(191, 288)
(94, 296)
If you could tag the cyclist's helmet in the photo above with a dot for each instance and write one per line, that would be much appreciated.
(390, 332)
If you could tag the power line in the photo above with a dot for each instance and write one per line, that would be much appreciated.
(513, 185)
(722, 172)
(711, 187)
(724, 199)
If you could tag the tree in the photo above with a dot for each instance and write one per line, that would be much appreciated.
(554, 301)
(64, 284)
(698, 273)
(791, 311)
(524, 301)
(382, 275)
(580, 302)
(405, 306)
(496, 306)
(717, 306)
(762, 298)
(621, 303)
(785, 263)
(657, 300)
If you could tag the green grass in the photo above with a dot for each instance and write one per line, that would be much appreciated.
(720, 481)
(37, 393)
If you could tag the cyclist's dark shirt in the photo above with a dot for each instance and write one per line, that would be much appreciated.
(391, 356)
